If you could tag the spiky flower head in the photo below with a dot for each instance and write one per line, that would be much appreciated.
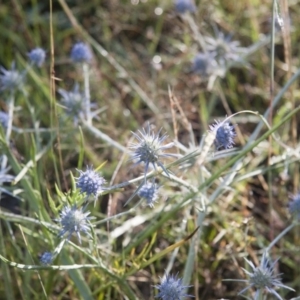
(73, 219)
(90, 182)
(149, 148)
(81, 53)
(73, 102)
(294, 206)
(171, 288)
(37, 56)
(46, 258)
(3, 119)
(204, 64)
(11, 80)
(263, 277)
(225, 134)
(223, 49)
(183, 6)
(149, 192)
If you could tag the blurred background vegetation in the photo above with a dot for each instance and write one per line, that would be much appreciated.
(150, 47)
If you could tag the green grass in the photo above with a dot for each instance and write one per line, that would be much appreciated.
(225, 207)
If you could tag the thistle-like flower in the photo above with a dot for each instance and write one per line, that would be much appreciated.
(263, 277)
(11, 79)
(37, 56)
(73, 102)
(223, 49)
(225, 134)
(90, 182)
(294, 206)
(204, 64)
(81, 53)
(183, 6)
(3, 119)
(149, 192)
(73, 219)
(171, 288)
(46, 258)
(149, 149)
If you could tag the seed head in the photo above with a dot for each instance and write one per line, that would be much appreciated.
(171, 288)
(183, 6)
(73, 219)
(264, 277)
(46, 258)
(149, 148)
(225, 134)
(10, 79)
(37, 56)
(90, 182)
(294, 206)
(149, 192)
(81, 53)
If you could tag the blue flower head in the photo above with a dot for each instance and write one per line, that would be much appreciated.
(81, 53)
(73, 219)
(225, 134)
(264, 277)
(73, 102)
(149, 149)
(171, 288)
(11, 80)
(149, 192)
(294, 206)
(46, 258)
(37, 56)
(204, 64)
(183, 6)
(90, 182)
(3, 119)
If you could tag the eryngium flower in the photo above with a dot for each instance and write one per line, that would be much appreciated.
(225, 134)
(223, 49)
(73, 219)
(204, 64)
(81, 53)
(264, 277)
(3, 119)
(171, 288)
(90, 182)
(73, 102)
(37, 56)
(149, 192)
(294, 206)
(183, 6)
(149, 148)
(11, 79)
(46, 258)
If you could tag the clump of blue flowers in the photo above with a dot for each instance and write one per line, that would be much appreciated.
(81, 53)
(149, 148)
(90, 182)
(37, 56)
(183, 6)
(149, 192)
(224, 133)
(294, 206)
(204, 64)
(11, 80)
(263, 277)
(171, 288)
(74, 220)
